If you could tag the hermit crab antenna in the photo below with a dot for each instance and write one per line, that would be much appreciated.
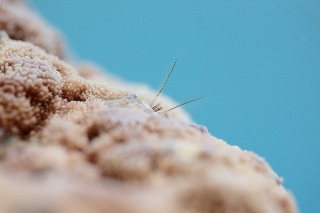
(165, 82)
(196, 99)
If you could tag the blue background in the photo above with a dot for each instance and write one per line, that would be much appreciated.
(257, 63)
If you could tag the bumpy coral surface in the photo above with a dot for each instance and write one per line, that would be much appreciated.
(70, 144)
(92, 72)
(21, 23)
(35, 86)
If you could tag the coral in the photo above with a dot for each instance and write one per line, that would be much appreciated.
(204, 173)
(21, 23)
(94, 73)
(69, 142)
(35, 85)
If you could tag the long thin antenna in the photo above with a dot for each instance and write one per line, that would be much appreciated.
(196, 99)
(164, 84)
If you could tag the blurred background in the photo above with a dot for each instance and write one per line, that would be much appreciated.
(257, 63)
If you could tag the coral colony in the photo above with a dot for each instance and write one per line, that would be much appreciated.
(75, 139)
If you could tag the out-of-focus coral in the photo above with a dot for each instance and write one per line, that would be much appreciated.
(74, 144)
(204, 173)
(21, 23)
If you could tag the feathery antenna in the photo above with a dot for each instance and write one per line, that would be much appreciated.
(164, 84)
(196, 99)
